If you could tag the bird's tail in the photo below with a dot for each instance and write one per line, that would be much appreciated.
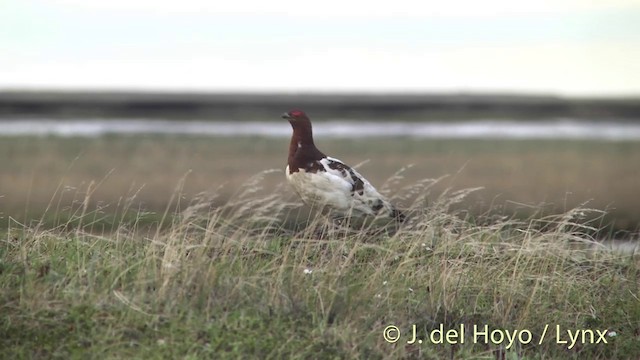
(398, 215)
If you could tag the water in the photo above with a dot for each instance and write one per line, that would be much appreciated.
(479, 129)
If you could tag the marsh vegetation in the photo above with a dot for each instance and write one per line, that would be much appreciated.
(519, 177)
(230, 281)
(173, 247)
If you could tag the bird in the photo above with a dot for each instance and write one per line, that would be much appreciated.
(327, 183)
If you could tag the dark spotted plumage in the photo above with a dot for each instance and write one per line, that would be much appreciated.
(358, 184)
(329, 183)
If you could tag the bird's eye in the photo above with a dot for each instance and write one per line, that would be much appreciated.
(296, 113)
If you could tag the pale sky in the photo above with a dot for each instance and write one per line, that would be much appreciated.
(564, 47)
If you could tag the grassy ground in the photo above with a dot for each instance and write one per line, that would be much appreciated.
(518, 176)
(230, 282)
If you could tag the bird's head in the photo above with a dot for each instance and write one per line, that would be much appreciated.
(296, 117)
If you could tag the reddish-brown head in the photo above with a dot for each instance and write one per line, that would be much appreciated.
(296, 117)
(302, 150)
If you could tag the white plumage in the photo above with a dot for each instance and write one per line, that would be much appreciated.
(336, 190)
(327, 183)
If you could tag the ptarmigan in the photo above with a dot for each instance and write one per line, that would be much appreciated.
(329, 184)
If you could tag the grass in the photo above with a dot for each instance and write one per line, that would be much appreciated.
(231, 282)
(517, 175)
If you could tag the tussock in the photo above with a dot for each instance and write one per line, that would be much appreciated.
(237, 281)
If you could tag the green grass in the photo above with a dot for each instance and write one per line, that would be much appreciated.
(558, 175)
(232, 282)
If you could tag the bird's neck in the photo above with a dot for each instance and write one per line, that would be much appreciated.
(302, 150)
(302, 137)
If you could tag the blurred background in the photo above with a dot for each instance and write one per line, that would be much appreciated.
(105, 103)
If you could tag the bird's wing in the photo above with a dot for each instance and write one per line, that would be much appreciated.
(358, 184)
(332, 183)
(364, 198)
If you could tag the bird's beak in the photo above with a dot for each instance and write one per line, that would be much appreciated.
(286, 116)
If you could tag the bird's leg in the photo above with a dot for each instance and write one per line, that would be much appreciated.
(341, 224)
(323, 225)
(328, 228)
(319, 232)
